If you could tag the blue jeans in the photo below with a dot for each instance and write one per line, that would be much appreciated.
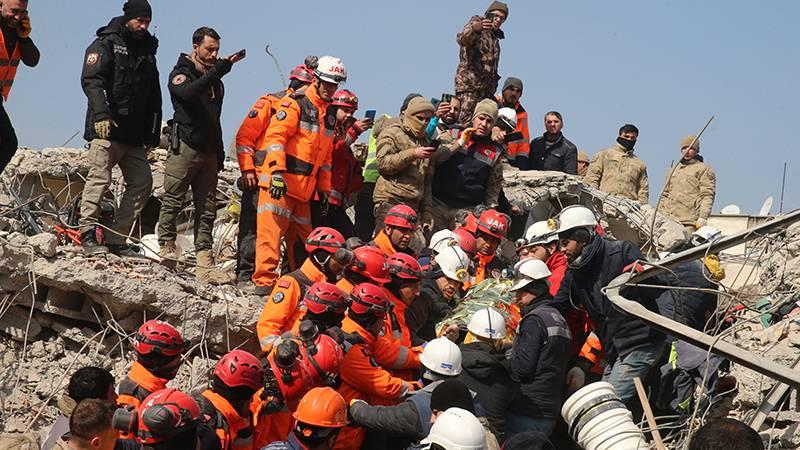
(516, 424)
(635, 364)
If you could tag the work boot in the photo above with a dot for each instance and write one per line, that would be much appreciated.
(169, 255)
(206, 271)
(125, 250)
(90, 245)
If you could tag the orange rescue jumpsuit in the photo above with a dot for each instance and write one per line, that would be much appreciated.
(520, 148)
(395, 326)
(285, 304)
(363, 378)
(383, 242)
(299, 143)
(139, 383)
(234, 431)
(269, 428)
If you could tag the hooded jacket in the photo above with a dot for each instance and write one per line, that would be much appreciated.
(600, 262)
(485, 371)
(120, 80)
(619, 172)
(689, 191)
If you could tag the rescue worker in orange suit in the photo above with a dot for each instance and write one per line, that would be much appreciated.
(15, 46)
(518, 150)
(168, 419)
(399, 227)
(283, 307)
(295, 366)
(234, 381)
(322, 413)
(158, 347)
(402, 291)
(249, 138)
(346, 178)
(325, 305)
(299, 146)
(362, 377)
(368, 265)
(492, 228)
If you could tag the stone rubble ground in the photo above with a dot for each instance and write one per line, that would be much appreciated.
(84, 309)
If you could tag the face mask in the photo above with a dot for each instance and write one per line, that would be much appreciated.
(627, 143)
(416, 126)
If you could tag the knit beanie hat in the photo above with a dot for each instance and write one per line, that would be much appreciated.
(486, 106)
(497, 6)
(407, 100)
(512, 82)
(136, 8)
(583, 156)
(688, 140)
(450, 394)
(417, 105)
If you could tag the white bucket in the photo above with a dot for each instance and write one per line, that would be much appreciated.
(597, 420)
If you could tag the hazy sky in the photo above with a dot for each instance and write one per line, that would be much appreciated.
(665, 66)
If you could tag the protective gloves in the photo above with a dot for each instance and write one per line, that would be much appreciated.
(277, 186)
(103, 128)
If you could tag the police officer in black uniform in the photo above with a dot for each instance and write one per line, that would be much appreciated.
(120, 80)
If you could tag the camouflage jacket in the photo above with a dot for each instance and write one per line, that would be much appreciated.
(619, 172)
(479, 59)
(689, 192)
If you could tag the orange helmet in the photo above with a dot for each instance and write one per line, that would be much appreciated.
(322, 407)
(240, 368)
(404, 266)
(494, 223)
(159, 338)
(401, 216)
(369, 299)
(324, 297)
(370, 262)
(324, 238)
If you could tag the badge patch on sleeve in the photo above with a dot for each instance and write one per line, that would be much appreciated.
(92, 58)
(286, 104)
(178, 79)
(259, 105)
(281, 115)
(277, 298)
(285, 284)
(253, 113)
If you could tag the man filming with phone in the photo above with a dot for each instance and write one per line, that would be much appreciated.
(479, 58)
(197, 153)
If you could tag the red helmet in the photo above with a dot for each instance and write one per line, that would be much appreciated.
(370, 262)
(298, 367)
(162, 415)
(324, 297)
(401, 216)
(324, 238)
(404, 266)
(158, 338)
(240, 368)
(494, 223)
(302, 73)
(368, 298)
(345, 98)
(466, 240)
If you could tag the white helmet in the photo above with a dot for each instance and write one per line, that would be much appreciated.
(331, 69)
(442, 356)
(576, 216)
(543, 232)
(442, 239)
(528, 271)
(508, 116)
(706, 234)
(487, 323)
(454, 263)
(457, 429)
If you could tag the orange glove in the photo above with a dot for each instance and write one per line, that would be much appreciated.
(466, 136)
(24, 29)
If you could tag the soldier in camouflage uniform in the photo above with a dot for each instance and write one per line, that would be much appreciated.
(476, 75)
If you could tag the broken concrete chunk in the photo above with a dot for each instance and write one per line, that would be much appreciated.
(15, 321)
(45, 244)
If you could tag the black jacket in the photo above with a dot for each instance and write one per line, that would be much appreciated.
(686, 306)
(486, 372)
(426, 311)
(539, 360)
(120, 80)
(197, 101)
(602, 261)
(562, 156)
